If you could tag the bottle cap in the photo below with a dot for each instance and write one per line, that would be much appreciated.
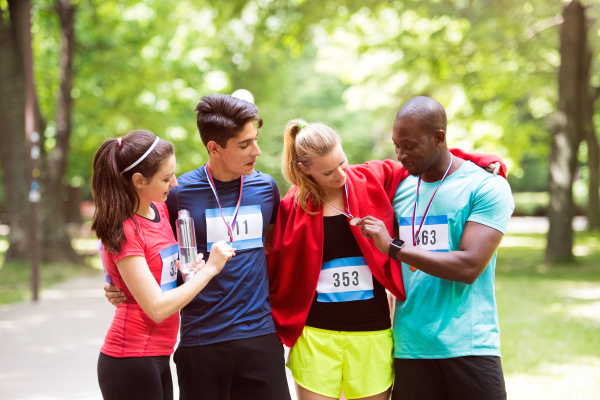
(184, 214)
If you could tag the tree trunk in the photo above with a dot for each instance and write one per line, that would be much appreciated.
(13, 149)
(56, 243)
(593, 209)
(573, 78)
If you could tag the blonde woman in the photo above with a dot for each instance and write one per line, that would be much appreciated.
(327, 281)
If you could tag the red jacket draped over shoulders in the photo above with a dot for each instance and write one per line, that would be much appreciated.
(294, 264)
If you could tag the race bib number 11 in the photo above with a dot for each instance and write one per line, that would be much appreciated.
(247, 231)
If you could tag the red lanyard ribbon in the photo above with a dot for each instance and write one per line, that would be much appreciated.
(415, 237)
(235, 214)
(347, 214)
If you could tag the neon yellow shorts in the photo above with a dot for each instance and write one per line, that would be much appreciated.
(361, 363)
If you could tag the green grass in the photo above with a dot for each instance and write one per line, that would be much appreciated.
(15, 278)
(548, 314)
(536, 203)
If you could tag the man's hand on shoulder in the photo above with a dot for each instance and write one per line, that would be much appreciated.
(114, 295)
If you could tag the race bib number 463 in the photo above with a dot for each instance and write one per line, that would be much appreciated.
(247, 231)
(433, 235)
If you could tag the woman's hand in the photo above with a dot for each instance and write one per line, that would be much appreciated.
(494, 168)
(220, 253)
(200, 263)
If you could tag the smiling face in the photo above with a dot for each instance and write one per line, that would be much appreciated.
(239, 156)
(328, 171)
(416, 147)
(157, 188)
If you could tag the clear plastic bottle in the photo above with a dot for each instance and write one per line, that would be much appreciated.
(186, 238)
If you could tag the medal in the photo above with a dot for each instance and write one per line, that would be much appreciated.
(415, 237)
(353, 219)
(235, 214)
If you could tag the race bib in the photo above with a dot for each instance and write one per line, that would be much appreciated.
(345, 279)
(247, 231)
(168, 278)
(433, 235)
(107, 278)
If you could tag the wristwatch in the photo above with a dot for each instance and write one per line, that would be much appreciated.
(395, 247)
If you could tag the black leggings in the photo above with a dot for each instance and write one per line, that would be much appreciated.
(135, 378)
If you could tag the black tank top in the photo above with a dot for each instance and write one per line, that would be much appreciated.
(371, 314)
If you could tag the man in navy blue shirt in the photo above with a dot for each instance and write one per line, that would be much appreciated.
(228, 347)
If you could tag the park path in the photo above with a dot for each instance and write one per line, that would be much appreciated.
(49, 350)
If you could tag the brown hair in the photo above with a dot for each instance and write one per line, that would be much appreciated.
(300, 146)
(222, 117)
(115, 196)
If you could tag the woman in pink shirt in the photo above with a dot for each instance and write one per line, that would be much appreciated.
(132, 177)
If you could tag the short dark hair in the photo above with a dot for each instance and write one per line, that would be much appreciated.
(222, 117)
(429, 112)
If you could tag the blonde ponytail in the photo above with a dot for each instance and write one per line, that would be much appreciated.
(301, 145)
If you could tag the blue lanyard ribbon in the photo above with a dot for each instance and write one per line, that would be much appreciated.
(237, 209)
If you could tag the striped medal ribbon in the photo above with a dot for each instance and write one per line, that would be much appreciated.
(237, 209)
(415, 237)
(353, 220)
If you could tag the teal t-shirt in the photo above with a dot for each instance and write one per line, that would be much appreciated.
(442, 318)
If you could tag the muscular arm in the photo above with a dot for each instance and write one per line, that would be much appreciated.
(477, 247)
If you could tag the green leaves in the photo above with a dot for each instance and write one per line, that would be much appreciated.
(147, 63)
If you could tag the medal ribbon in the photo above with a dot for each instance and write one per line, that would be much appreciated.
(414, 237)
(237, 209)
(347, 214)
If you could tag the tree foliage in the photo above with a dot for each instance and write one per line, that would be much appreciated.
(146, 63)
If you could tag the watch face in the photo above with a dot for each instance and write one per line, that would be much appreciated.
(395, 247)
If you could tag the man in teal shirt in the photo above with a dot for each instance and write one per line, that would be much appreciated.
(452, 216)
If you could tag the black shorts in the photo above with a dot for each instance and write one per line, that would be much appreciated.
(248, 369)
(460, 378)
(135, 378)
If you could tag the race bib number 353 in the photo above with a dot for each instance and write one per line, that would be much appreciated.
(168, 278)
(345, 279)
(433, 235)
(247, 231)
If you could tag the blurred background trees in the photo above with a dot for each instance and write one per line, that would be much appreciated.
(102, 68)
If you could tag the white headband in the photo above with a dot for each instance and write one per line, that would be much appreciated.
(144, 156)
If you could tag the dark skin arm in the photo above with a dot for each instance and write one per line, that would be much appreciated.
(477, 247)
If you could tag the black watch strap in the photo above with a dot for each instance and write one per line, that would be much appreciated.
(395, 247)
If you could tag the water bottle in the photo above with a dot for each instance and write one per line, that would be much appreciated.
(186, 238)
